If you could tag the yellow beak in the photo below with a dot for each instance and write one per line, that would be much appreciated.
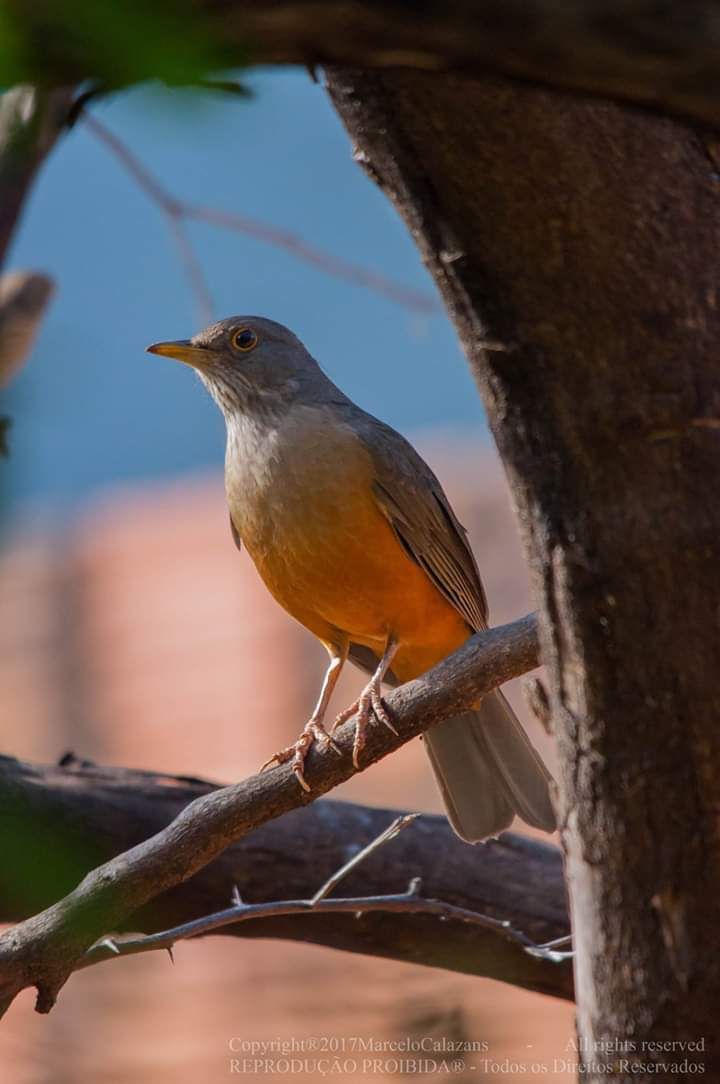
(182, 350)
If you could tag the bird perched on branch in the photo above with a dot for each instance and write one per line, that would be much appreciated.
(354, 536)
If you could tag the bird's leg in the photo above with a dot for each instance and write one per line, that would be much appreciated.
(369, 701)
(314, 730)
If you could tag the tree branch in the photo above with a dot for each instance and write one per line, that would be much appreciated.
(58, 821)
(43, 950)
(30, 121)
(648, 52)
(409, 902)
(640, 51)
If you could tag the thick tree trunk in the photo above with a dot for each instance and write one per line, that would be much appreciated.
(576, 246)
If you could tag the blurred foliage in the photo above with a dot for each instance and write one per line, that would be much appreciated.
(113, 42)
(42, 862)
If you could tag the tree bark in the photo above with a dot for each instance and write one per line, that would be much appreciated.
(655, 53)
(43, 950)
(636, 50)
(56, 823)
(31, 120)
(575, 245)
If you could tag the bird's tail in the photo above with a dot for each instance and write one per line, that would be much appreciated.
(488, 771)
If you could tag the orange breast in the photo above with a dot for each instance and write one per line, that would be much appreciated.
(330, 557)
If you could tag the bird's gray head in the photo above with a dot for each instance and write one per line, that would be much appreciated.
(248, 363)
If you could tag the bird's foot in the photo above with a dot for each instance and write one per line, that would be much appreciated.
(370, 701)
(313, 732)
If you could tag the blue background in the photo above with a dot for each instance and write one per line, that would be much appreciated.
(91, 408)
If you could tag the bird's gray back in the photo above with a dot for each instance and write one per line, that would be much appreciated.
(420, 513)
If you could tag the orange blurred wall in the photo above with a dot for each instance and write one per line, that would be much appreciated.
(139, 636)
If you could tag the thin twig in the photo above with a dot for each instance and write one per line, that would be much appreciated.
(393, 830)
(409, 902)
(177, 211)
(406, 902)
(411, 299)
(197, 279)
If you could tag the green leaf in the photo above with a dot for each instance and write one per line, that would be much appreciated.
(116, 42)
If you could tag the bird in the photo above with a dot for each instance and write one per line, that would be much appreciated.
(354, 536)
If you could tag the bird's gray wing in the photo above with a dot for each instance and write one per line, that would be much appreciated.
(236, 534)
(420, 514)
(366, 659)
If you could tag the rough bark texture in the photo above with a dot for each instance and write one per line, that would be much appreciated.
(578, 242)
(56, 823)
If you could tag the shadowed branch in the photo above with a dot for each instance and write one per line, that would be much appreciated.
(650, 52)
(42, 951)
(409, 902)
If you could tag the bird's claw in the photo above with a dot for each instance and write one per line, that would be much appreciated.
(368, 703)
(313, 732)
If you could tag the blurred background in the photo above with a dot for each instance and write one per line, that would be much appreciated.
(133, 632)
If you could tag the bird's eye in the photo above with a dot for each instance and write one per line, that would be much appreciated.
(244, 338)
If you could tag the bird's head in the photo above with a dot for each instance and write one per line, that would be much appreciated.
(247, 362)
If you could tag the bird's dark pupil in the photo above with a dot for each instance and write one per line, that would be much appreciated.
(245, 338)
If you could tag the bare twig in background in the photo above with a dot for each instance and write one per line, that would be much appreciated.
(45, 949)
(195, 273)
(179, 211)
(174, 211)
(409, 902)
